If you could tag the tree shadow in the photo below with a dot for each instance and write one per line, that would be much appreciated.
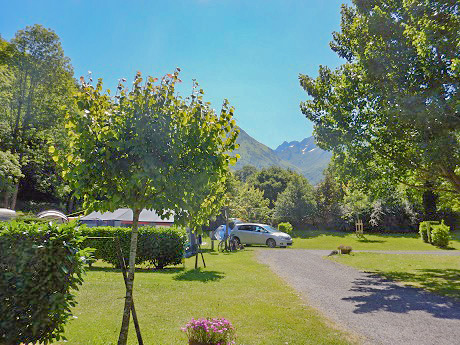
(200, 275)
(167, 270)
(441, 281)
(365, 240)
(374, 293)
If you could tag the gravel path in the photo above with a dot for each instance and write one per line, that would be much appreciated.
(376, 308)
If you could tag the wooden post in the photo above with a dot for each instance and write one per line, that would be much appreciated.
(359, 228)
(226, 228)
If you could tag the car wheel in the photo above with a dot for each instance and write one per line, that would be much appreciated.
(237, 240)
(271, 243)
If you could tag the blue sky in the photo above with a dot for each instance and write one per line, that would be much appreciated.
(248, 51)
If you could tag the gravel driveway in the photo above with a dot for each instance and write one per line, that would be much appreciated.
(376, 308)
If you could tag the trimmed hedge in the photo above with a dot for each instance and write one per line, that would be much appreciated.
(285, 227)
(158, 246)
(425, 230)
(440, 235)
(40, 265)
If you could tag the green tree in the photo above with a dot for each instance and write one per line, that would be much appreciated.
(392, 110)
(245, 173)
(328, 195)
(148, 148)
(296, 204)
(250, 205)
(10, 173)
(272, 181)
(355, 203)
(33, 101)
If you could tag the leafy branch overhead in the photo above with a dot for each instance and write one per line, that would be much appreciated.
(391, 111)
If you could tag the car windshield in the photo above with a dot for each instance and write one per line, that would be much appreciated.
(269, 228)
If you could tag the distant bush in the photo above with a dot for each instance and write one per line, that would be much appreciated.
(440, 235)
(285, 227)
(156, 245)
(40, 265)
(425, 230)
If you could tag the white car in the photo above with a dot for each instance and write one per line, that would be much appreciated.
(251, 233)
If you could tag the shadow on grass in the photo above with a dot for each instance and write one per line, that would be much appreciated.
(441, 281)
(199, 275)
(308, 234)
(375, 293)
(166, 270)
(365, 240)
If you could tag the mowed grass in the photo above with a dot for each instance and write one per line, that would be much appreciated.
(436, 273)
(261, 306)
(330, 240)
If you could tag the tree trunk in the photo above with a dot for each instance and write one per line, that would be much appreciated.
(123, 338)
(429, 202)
(15, 196)
(6, 199)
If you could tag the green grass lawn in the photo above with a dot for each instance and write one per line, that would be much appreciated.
(261, 306)
(435, 273)
(330, 240)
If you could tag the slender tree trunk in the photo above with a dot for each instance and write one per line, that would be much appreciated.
(6, 198)
(429, 202)
(15, 196)
(123, 338)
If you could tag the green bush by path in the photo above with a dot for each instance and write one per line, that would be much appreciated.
(40, 265)
(156, 245)
(285, 227)
(440, 235)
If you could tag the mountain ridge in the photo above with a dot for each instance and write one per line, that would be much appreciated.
(302, 156)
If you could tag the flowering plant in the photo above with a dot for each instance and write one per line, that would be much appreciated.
(210, 332)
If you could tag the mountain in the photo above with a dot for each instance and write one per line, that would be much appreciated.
(306, 156)
(303, 157)
(257, 154)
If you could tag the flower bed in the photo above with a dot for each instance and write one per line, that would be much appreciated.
(210, 332)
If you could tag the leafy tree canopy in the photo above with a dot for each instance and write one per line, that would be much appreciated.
(245, 173)
(36, 88)
(392, 110)
(272, 181)
(296, 204)
(250, 205)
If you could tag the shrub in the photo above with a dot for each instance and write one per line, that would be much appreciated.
(425, 230)
(440, 235)
(40, 265)
(285, 227)
(158, 246)
(210, 332)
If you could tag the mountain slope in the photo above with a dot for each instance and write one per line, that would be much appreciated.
(257, 154)
(303, 157)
